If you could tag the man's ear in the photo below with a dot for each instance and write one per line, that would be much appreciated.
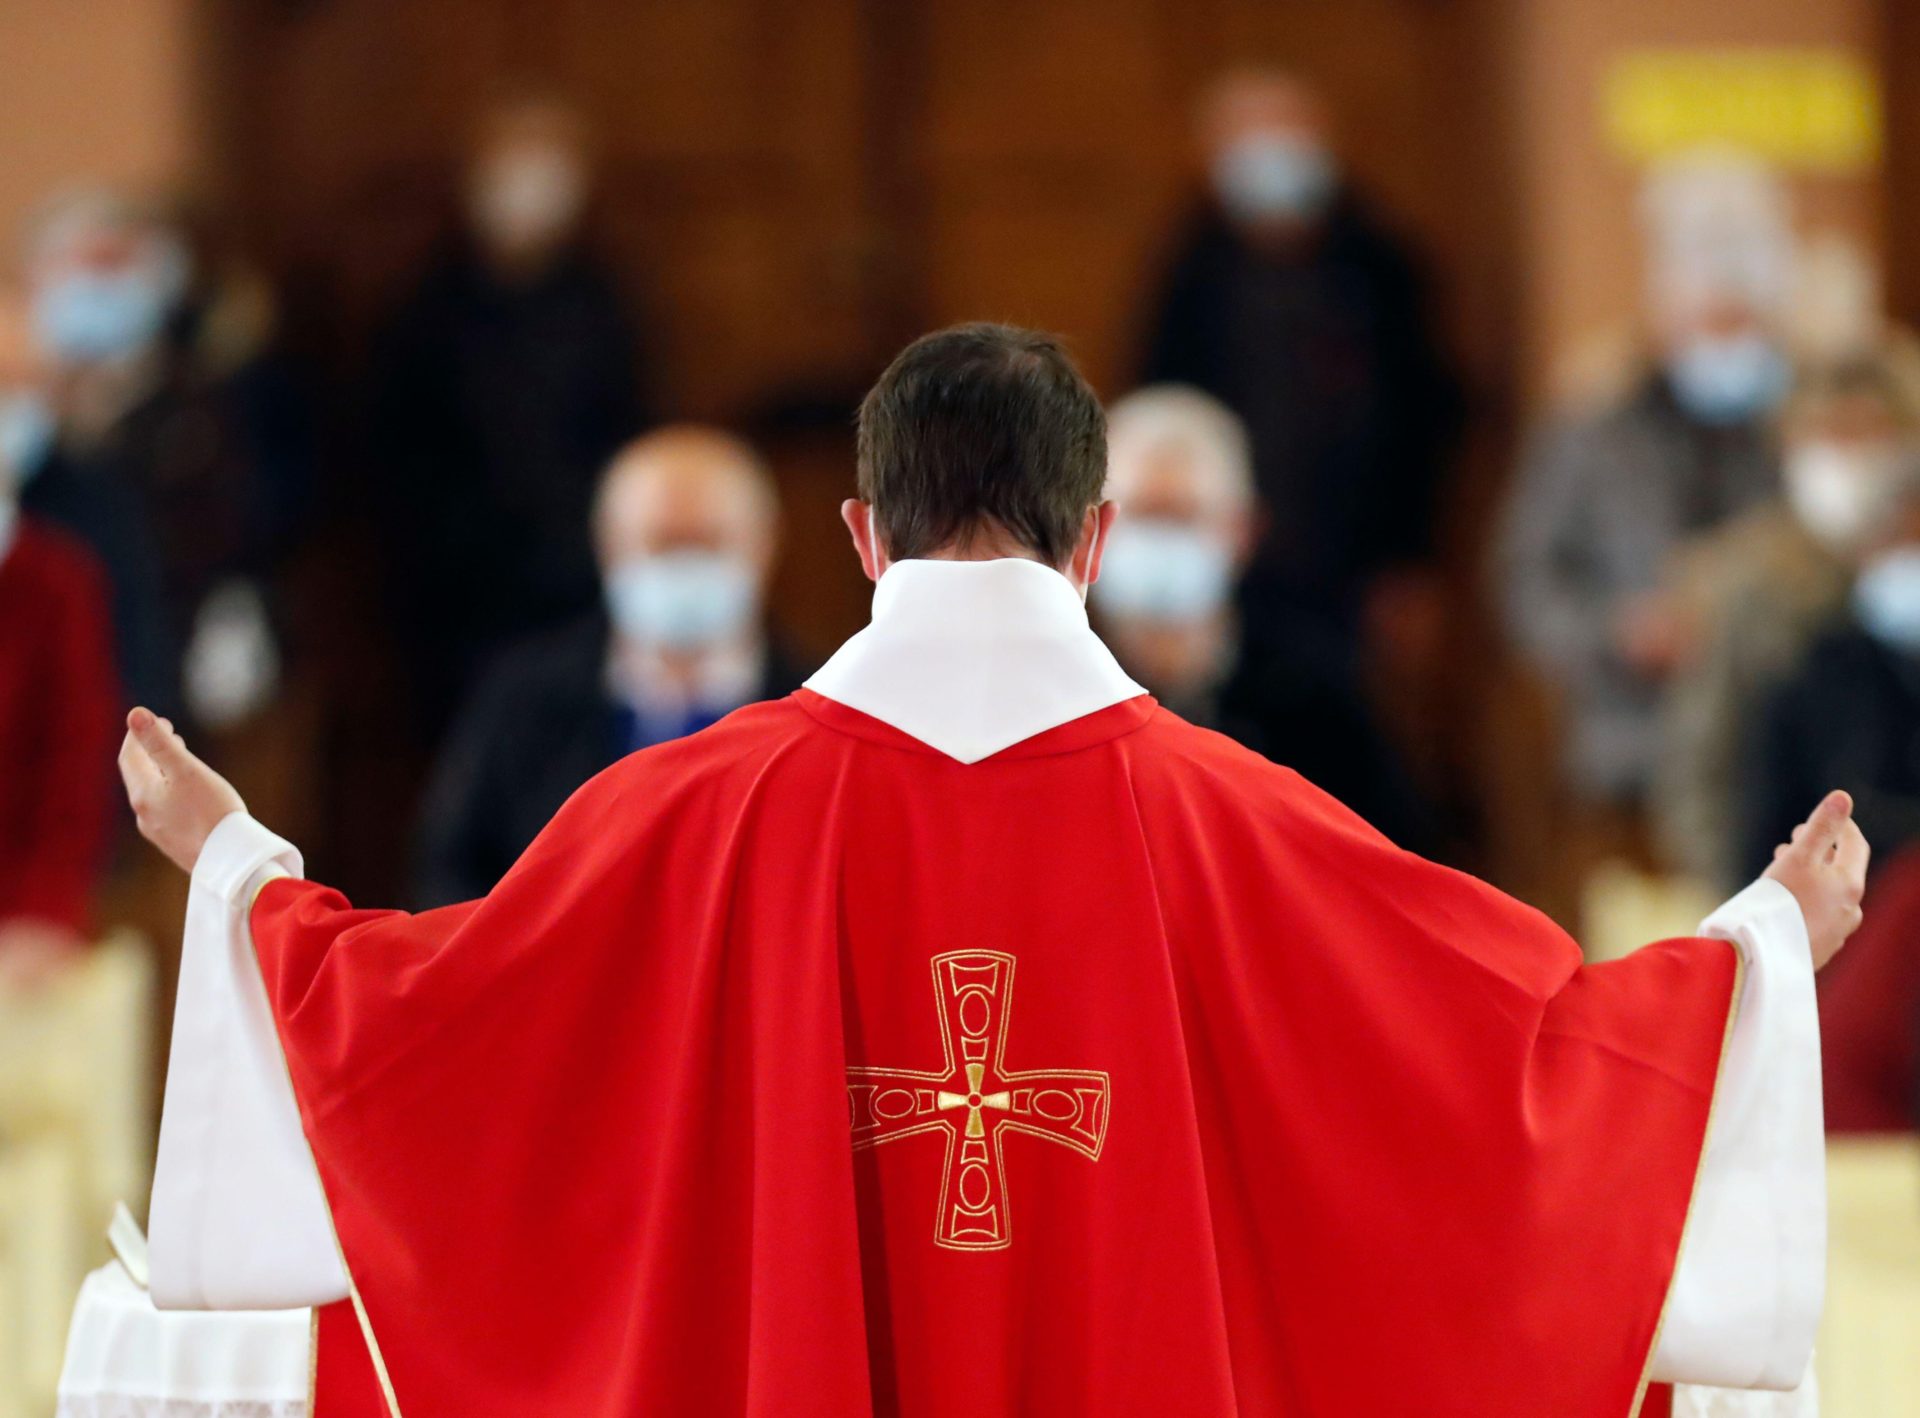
(1084, 568)
(859, 519)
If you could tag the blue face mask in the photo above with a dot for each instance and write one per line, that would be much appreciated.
(85, 316)
(1886, 598)
(682, 600)
(1728, 379)
(1264, 178)
(27, 432)
(1163, 571)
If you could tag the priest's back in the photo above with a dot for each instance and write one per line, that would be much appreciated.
(803, 1068)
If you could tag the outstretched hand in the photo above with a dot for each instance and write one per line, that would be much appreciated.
(176, 799)
(1825, 867)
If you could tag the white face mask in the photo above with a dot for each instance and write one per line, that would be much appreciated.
(1886, 598)
(683, 600)
(1268, 176)
(1842, 493)
(1166, 571)
(528, 197)
(1728, 379)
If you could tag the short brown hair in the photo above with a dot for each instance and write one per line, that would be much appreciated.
(981, 426)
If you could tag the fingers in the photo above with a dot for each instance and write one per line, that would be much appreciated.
(137, 771)
(1835, 810)
(1822, 832)
(1852, 853)
(155, 736)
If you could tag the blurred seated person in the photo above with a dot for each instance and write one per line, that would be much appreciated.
(1758, 590)
(1849, 713)
(685, 525)
(501, 388)
(1606, 497)
(148, 464)
(1290, 303)
(1179, 467)
(60, 703)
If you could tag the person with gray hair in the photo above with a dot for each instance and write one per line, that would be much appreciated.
(1180, 468)
(1758, 591)
(685, 527)
(145, 459)
(1606, 496)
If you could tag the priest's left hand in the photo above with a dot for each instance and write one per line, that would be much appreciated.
(176, 799)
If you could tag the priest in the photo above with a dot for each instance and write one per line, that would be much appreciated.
(967, 1034)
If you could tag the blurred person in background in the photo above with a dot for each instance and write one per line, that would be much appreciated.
(59, 699)
(685, 526)
(502, 387)
(1758, 590)
(1289, 302)
(1851, 709)
(1605, 498)
(149, 465)
(1180, 469)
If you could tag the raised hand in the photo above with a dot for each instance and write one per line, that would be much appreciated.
(176, 799)
(1825, 867)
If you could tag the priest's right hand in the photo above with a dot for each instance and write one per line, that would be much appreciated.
(176, 799)
(1825, 867)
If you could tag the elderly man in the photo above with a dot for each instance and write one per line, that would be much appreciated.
(1607, 496)
(1221, 1103)
(1179, 469)
(147, 466)
(501, 388)
(684, 527)
(1291, 304)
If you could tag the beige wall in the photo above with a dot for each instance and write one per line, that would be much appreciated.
(1578, 238)
(95, 89)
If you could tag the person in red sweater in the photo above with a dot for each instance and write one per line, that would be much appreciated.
(60, 702)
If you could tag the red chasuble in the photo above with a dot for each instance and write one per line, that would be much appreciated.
(800, 1069)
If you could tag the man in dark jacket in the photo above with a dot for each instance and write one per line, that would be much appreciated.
(501, 389)
(1862, 676)
(1178, 466)
(685, 530)
(1288, 303)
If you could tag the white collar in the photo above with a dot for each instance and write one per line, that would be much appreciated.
(971, 657)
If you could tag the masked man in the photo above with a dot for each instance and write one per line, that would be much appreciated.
(1761, 589)
(144, 460)
(1179, 470)
(968, 1034)
(501, 388)
(685, 527)
(1292, 305)
(1607, 496)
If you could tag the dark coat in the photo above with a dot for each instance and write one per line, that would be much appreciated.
(539, 724)
(1327, 356)
(1849, 717)
(495, 408)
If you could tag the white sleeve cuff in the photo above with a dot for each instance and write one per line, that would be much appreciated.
(239, 1220)
(1751, 1279)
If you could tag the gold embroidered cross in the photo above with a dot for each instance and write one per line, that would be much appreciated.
(973, 990)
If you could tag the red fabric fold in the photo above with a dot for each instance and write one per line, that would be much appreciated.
(1268, 1117)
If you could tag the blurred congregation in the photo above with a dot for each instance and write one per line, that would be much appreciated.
(425, 404)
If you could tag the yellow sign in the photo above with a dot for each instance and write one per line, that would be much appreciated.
(1815, 110)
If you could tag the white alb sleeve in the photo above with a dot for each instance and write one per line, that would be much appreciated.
(1751, 1279)
(239, 1220)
